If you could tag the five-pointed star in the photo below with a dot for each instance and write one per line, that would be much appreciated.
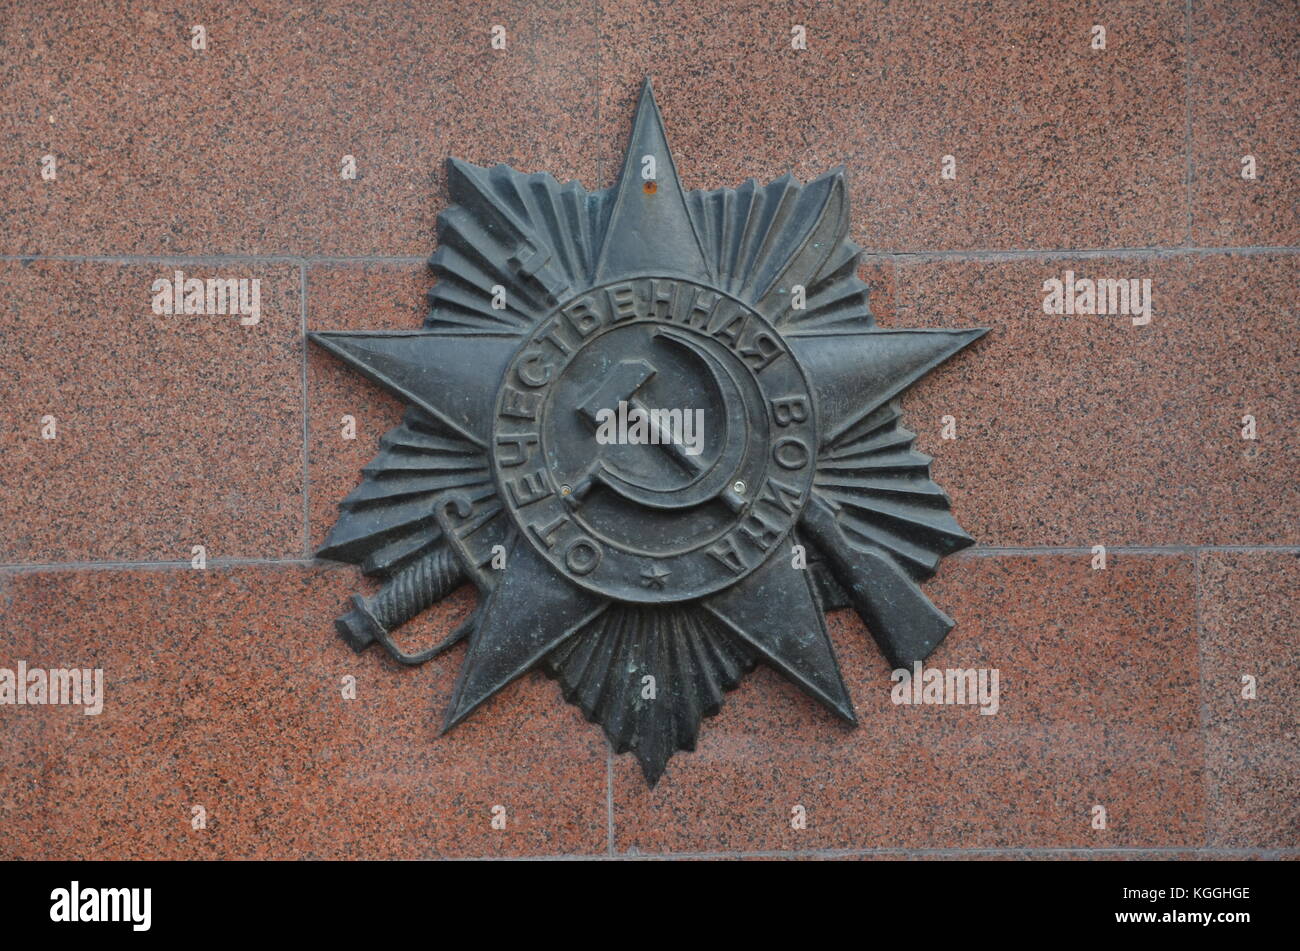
(877, 532)
(655, 576)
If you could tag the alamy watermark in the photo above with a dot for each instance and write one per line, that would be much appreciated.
(75, 903)
(215, 296)
(632, 425)
(1126, 296)
(36, 686)
(946, 685)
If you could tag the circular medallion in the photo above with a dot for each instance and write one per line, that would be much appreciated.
(654, 440)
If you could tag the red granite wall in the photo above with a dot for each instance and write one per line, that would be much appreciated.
(1120, 687)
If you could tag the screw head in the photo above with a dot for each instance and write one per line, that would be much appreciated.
(738, 487)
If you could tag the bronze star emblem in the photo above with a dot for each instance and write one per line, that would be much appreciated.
(648, 562)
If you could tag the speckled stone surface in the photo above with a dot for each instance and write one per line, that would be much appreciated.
(239, 709)
(1245, 338)
(1070, 448)
(1245, 101)
(1084, 429)
(171, 430)
(1054, 148)
(239, 148)
(1119, 687)
(1098, 706)
(1250, 603)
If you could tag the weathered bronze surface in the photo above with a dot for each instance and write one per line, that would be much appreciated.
(648, 575)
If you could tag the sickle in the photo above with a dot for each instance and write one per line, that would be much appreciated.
(717, 480)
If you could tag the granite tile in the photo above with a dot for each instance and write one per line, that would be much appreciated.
(1249, 604)
(1244, 101)
(1244, 342)
(1098, 706)
(239, 148)
(882, 288)
(215, 700)
(1068, 427)
(1055, 147)
(172, 430)
(1075, 430)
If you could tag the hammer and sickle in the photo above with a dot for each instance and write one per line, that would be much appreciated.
(707, 482)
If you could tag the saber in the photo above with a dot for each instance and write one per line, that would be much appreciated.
(416, 587)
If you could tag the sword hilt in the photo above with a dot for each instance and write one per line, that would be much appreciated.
(407, 593)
